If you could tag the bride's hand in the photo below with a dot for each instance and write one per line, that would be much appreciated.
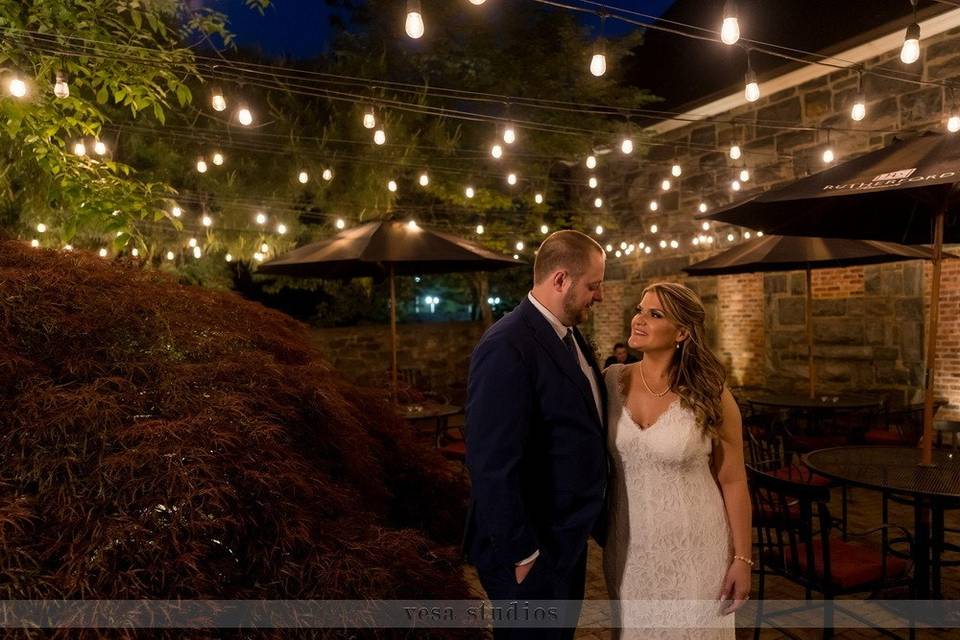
(736, 585)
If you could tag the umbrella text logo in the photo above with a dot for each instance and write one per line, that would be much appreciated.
(895, 175)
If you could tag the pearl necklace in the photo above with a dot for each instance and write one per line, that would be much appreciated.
(647, 387)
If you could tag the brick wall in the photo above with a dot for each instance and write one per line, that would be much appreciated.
(947, 362)
(740, 332)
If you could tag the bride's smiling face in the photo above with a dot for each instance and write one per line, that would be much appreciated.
(650, 329)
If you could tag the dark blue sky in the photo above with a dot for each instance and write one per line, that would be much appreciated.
(300, 28)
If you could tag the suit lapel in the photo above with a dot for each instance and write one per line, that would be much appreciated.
(597, 374)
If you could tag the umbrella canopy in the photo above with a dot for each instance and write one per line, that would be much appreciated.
(370, 250)
(788, 253)
(891, 194)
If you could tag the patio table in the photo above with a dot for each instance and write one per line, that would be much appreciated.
(430, 411)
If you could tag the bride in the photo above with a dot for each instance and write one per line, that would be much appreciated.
(678, 556)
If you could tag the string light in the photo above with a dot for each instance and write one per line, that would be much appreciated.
(609, 248)
(379, 137)
(34, 243)
(746, 235)
(197, 253)
(730, 29)
(654, 228)
(626, 146)
(261, 218)
(341, 223)
(176, 212)
(60, 87)
(859, 109)
(735, 152)
(705, 226)
(134, 252)
(618, 253)
(623, 245)
(477, 2)
(544, 229)
(41, 228)
(509, 134)
(654, 205)
(207, 221)
(598, 202)
(674, 244)
(303, 177)
(80, 149)
(228, 257)
(953, 123)
(192, 242)
(17, 87)
(663, 244)
(414, 23)
(258, 256)
(598, 62)
(592, 182)
(730, 237)
(496, 151)
(327, 175)
(217, 101)
(538, 198)
(281, 228)
(519, 246)
(264, 248)
(751, 90)
(170, 255)
(599, 230)
(103, 253)
(369, 118)
(424, 179)
(759, 234)
(469, 192)
(392, 185)
(245, 116)
(218, 158)
(702, 208)
(744, 175)
(827, 155)
(480, 229)
(201, 165)
(665, 185)
(591, 162)
(68, 247)
(695, 241)
(735, 185)
(676, 170)
(910, 51)
(512, 179)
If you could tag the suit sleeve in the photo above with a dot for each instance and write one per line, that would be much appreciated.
(499, 414)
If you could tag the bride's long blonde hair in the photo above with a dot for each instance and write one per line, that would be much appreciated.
(696, 374)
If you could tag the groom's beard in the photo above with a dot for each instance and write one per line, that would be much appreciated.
(575, 313)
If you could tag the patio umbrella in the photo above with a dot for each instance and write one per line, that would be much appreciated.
(790, 253)
(386, 248)
(905, 192)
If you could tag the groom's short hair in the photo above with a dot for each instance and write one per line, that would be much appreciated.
(569, 250)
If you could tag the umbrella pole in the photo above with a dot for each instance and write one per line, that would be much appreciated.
(809, 314)
(927, 454)
(393, 335)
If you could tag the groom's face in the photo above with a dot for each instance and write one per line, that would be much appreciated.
(584, 290)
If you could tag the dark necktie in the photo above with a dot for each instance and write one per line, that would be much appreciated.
(571, 345)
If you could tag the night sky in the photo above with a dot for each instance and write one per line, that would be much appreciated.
(300, 28)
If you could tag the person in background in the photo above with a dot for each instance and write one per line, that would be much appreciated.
(620, 356)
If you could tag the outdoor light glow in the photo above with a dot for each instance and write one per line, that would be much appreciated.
(261, 218)
(207, 221)
(176, 212)
(674, 244)
(654, 205)
(538, 198)
(744, 175)
(598, 63)
(746, 235)
(17, 87)
(60, 88)
(192, 242)
(730, 237)
(512, 179)
(599, 229)
(258, 256)
(735, 152)
(598, 202)
(303, 177)
(218, 159)
(340, 223)
(735, 185)
(424, 179)
(752, 90)
(591, 162)
(663, 244)
(609, 248)
(103, 253)
(281, 228)
(592, 182)
(705, 226)
(618, 253)
(264, 248)
(228, 258)
(676, 170)
(68, 247)
(544, 229)
(379, 136)
(202, 165)
(759, 234)
(480, 229)
(496, 151)
(519, 246)
(910, 52)
(80, 149)
(730, 29)
(469, 192)
(695, 241)
(245, 117)
(197, 252)
(516, 257)
(414, 23)
(953, 124)
(828, 155)
(41, 228)
(859, 109)
(369, 119)
(654, 228)
(626, 146)
(623, 245)
(665, 185)
(477, 2)
(34, 243)
(412, 225)
(392, 185)
(703, 208)
(327, 175)
(170, 255)
(509, 134)
(218, 102)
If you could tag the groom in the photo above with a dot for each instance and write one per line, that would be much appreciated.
(536, 439)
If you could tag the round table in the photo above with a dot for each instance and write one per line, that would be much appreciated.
(897, 470)
(438, 413)
(829, 402)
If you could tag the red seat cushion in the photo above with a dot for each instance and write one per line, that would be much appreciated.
(800, 473)
(882, 436)
(457, 449)
(851, 565)
(764, 513)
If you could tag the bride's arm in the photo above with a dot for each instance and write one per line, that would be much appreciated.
(731, 475)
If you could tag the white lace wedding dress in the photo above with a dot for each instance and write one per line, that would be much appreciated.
(669, 543)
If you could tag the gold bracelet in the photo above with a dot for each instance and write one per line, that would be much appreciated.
(747, 560)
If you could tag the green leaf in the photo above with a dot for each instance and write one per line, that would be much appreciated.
(183, 94)
(137, 19)
(102, 95)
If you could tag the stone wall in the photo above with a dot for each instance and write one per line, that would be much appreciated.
(440, 353)
(869, 322)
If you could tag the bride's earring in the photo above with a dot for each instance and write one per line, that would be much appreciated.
(678, 345)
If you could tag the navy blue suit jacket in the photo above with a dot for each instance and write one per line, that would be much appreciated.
(536, 447)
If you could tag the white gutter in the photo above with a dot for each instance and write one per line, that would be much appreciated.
(851, 57)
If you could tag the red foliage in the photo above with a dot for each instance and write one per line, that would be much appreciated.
(163, 441)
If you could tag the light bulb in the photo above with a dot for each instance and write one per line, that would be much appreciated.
(519, 246)
(665, 185)
(759, 234)
(663, 244)
(654, 205)
(261, 218)
(192, 242)
(379, 136)
(258, 256)
(509, 134)
(103, 253)
(477, 2)
(828, 155)
(538, 198)
(544, 229)
(695, 241)
(654, 228)
(218, 158)
(746, 235)
(496, 151)
(281, 228)
(910, 52)
(217, 101)
(424, 179)
(623, 245)
(245, 117)
(598, 64)
(598, 202)
(480, 229)
(207, 221)
(99, 148)
(303, 177)
(626, 146)
(953, 124)
(264, 248)
(592, 182)
(469, 192)
(735, 152)
(618, 253)
(369, 118)
(599, 229)
(34, 243)
(17, 87)
(703, 209)
(859, 109)
(197, 252)
(730, 237)
(176, 212)
(68, 247)
(512, 179)
(752, 90)
(735, 185)
(414, 23)
(80, 149)
(202, 165)
(41, 228)
(609, 248)
(327, 175)
(744, 175)
(392, 185)
(591, 162)
(730, 29)
(676, 170)
(341, 223)
(60, 88)
(705, 226)
(228, 258)
(674, 244)
(170, 255)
